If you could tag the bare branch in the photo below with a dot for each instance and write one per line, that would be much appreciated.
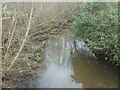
(24, 40)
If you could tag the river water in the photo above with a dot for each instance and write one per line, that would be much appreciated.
(69, 64)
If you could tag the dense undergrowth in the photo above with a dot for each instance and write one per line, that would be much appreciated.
(23, 39)
(97, 24)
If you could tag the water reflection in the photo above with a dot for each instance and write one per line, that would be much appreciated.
(58, 72)
(67, 64)
(94, 73)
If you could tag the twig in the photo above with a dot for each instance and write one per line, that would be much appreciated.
(24, 40)
(10, 40)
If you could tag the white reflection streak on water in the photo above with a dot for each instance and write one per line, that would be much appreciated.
(58, 65)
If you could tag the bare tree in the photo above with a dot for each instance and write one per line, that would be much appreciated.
(25, 34)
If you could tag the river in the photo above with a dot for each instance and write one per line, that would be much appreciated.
(68, 63)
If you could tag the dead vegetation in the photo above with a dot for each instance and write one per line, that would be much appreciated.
(24, 36)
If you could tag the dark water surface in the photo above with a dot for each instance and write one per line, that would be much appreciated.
(68, 64)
